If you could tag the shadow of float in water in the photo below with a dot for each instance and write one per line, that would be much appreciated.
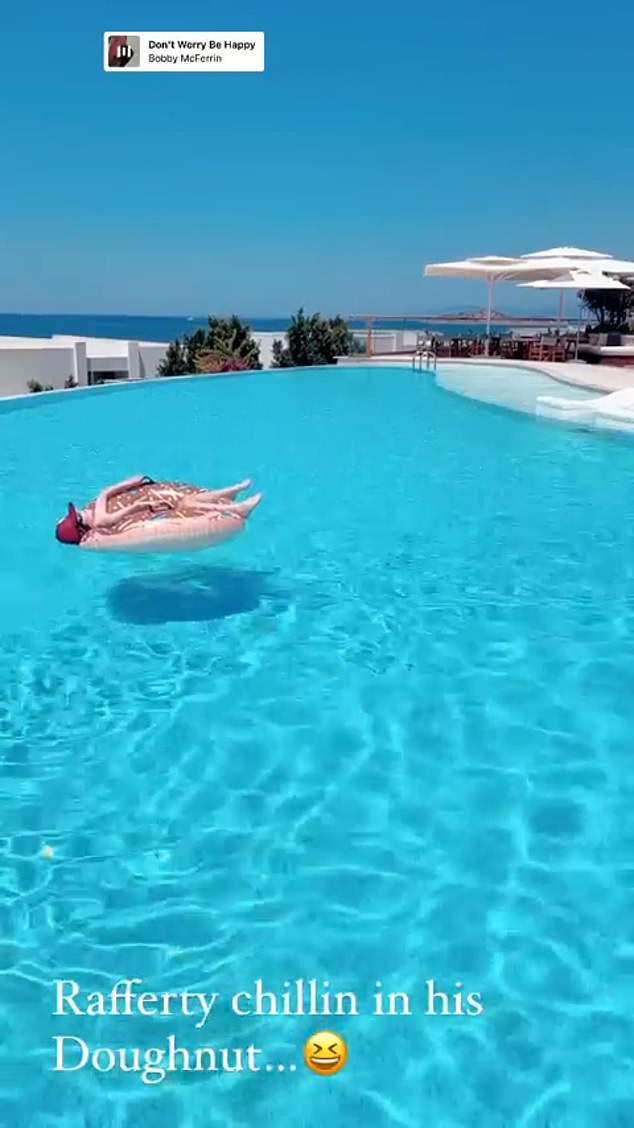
(192, 595)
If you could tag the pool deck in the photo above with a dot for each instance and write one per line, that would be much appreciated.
(601, 378)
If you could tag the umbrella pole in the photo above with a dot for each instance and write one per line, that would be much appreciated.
(579, 326)
(489, 309)
(561, 309)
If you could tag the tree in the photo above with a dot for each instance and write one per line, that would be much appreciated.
(174, 362)
(313, 340)
(612, 308)
(229, 340)
(226, 345)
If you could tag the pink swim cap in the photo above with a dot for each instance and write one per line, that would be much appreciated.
(68, 530)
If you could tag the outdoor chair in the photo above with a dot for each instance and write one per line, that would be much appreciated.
(535, 350)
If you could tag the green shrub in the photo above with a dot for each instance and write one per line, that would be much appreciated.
(226, 344)
(314, 340)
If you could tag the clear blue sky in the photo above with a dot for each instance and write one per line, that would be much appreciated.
(381, 136)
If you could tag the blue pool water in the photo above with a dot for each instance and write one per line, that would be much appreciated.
(386, 735)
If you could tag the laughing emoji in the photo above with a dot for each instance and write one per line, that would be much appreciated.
(325, 1053)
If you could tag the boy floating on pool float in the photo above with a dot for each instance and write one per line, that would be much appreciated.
(141, 515)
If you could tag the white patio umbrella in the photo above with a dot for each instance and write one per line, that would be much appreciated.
(574, 258)
(579, 280)
(542, 265)
(623, 268)
(575, 253)
(490, 269)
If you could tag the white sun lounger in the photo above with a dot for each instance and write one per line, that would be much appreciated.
(615, 406)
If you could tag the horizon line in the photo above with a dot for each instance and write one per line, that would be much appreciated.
(427, 315)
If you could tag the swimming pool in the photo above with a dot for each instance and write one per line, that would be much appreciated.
(384, 736)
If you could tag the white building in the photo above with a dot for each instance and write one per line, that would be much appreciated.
(59, 361)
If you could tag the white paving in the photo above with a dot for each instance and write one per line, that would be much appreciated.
(595, 377)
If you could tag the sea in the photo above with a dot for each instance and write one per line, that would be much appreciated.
(137, 328)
